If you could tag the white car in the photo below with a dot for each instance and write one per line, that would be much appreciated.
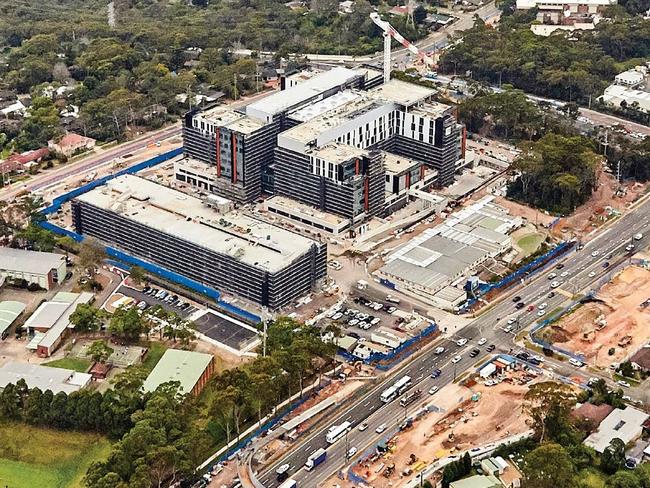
(595, 253)
(576, 363)
(439, 350)
(283, 469)
(555, 284)
(461, 342)
(363, 426)
(375, 321)
(482, 341)
(592, 274)
(353, 322)
(507, 328)
(541, 313)
(380, 429)
(433, 390)
(624, 384)
(456, 359)
(337, 316)
(543, 306)
(511, 320)
(551, 276)
(352, 451)
(564, 274)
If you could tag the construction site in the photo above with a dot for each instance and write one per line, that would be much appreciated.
(458, 418)
(610, 328)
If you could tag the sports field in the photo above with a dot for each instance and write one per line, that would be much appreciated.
(37, 457)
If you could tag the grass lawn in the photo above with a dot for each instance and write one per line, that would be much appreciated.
(76, 364)
(530, 243)
(35, 457)
(156, 350)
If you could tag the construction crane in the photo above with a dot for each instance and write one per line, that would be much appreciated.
(389, 34)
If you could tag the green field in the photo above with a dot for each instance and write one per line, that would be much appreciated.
(156, 351)
(530, 242)
(76, 364)
(36, 457)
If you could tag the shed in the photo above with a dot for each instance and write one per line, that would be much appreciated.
(9, 312)
(191, 369)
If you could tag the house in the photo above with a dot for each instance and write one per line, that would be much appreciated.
(594, 414)
(43, 377)
(641, 359)
(402, 10)
(99, 371)
(191, 369)
(50, 323)
(70, 144)
(345, 7)
(625, 424)
(43, 268)
(632, 77)
(17, 162)
(13, 108)
(477, 481)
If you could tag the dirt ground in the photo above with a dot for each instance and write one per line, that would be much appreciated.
(461, 424)
(596, 211)
(620, 307)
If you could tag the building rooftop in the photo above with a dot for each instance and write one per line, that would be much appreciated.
(186, 367)
(296, 207)
(330, 103)
(9, 312)
(525, 4)
(617, 93)
(398, 164)
(402, 92)
(284, 100)
(337, 153)
(43, 377)
(242, 237)
(625, 424)
(477, 481)
(230, 119)
(33, 262)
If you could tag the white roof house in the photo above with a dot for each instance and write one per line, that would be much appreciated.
(625, 424)
(43, 377)
(616, 94)
(631, 77)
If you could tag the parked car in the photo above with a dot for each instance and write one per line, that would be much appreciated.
(482, 341)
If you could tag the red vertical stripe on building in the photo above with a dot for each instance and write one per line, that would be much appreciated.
(366, 197)
(408, 180)
(422, 172)
(218, 152)
(356, 166)
(234, 158)
(464, 142)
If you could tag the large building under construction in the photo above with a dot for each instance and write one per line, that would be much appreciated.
(202, 239)
(333, 141)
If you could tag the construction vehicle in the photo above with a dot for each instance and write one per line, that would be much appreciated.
(391, 33)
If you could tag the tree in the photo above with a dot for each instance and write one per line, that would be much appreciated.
(86, 318)
(624, 479)
(137, 275)
(41, 125)
(99, 351)
(127, 322)
(549, 466)
(613, 457)
(548, 404)
(91, 254)
(419, 14)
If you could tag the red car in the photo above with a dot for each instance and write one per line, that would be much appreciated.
(531, 308)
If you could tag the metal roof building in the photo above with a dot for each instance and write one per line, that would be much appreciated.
(9, 312)
(43, 377)
(43, 268)
(191, 369)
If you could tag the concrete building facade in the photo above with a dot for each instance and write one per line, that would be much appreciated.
(43, 268)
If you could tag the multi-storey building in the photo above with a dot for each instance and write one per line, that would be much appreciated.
(231, 252)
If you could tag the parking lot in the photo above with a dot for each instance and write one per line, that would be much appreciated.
(361, 316)
(226, 330)
(154, 296)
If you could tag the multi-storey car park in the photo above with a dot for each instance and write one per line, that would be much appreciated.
(340, 142)
(229, 251)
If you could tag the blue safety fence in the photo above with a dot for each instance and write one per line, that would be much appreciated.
(548, 257)
(125, 260)
(66, 197)
(548, 345)
(395, 356)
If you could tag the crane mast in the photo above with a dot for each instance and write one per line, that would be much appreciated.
(391, 33)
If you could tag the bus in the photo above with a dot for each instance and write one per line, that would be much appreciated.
(289, 484)
(337, 431)
(402, 384)
(389, 394)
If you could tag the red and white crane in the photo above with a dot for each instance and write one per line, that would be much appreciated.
(391, 33)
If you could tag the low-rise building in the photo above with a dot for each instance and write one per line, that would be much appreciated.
(191, 370)
(477, 481)
(43, 268)
(50, 323)
(625, 424)
(641, 359)
(9, 312)
(621, 96)
(71, 144)
(43, 377)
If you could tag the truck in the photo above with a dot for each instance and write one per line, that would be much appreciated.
(289, 484)
(410, 398)
(315, 459)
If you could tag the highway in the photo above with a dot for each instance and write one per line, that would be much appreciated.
(577, 263)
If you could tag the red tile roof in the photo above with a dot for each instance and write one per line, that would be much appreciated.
(595, 413)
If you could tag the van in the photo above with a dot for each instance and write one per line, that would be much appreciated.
(638, 237)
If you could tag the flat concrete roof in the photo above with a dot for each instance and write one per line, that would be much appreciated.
(337, 153)
(9, 312)
(330, 103)
(34, 262)
(63, 322)
(396, 164)
(298, 208)
(230, 119)
(240, 236)
(402, 92)
(186, 367)
(43, 377)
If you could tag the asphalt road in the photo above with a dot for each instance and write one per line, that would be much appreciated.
(579, 264)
